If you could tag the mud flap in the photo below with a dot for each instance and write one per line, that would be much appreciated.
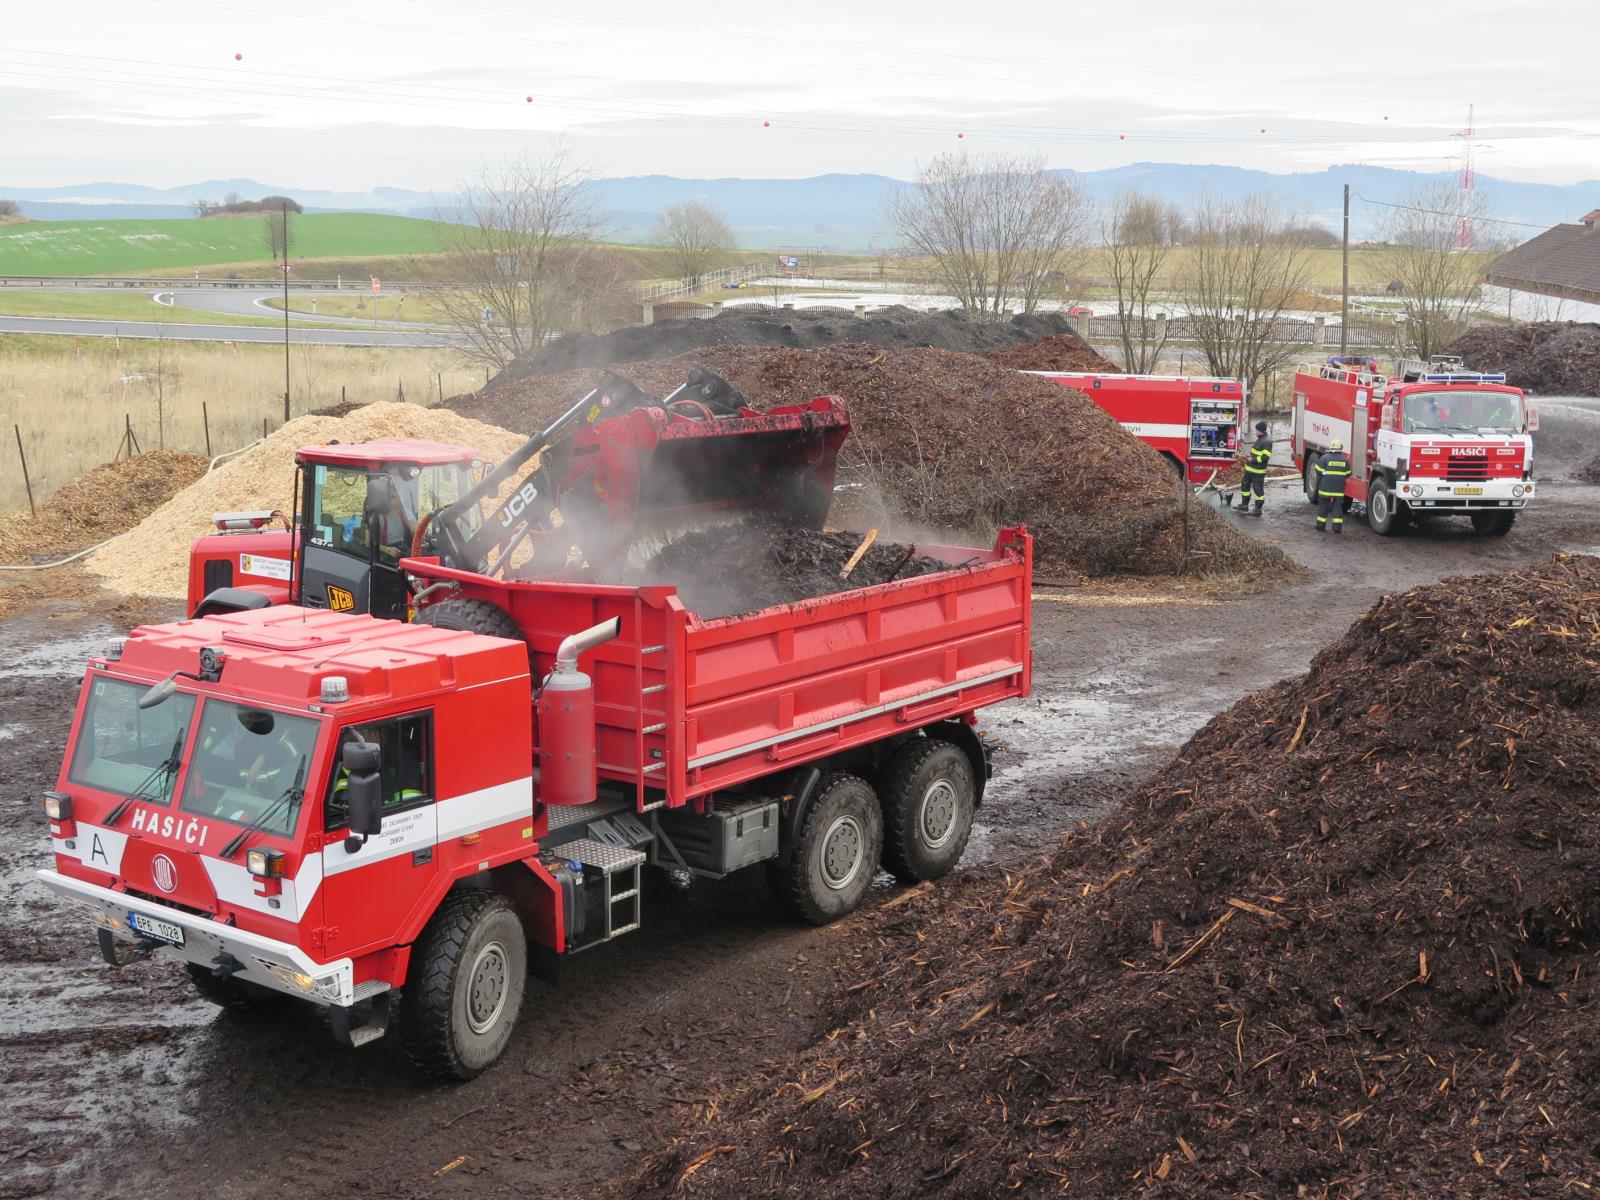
(120, 953)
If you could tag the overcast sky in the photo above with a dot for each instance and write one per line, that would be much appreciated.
(352, 94)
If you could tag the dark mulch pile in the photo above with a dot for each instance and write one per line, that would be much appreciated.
(1058, 352)
(1343, 946)
(1552, 358)
(111, 499)
(949, 442)
(738, 568)
(1591, 472)
(760, 325)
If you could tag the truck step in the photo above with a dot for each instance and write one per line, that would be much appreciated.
(369, 988)
(366, 1033)
(564, 815)
(591, 853)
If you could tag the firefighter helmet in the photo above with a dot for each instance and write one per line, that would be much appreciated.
(1336, 444)
(1261, 426)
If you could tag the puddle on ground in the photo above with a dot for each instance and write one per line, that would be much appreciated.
(29, 656)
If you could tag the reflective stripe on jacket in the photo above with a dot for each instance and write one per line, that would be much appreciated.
(1260, 455)
(1332, 469)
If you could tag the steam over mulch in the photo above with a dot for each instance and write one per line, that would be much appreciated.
(1343, 946)
(739, 568)
(950, 442)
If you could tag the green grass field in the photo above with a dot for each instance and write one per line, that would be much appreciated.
(127, 247)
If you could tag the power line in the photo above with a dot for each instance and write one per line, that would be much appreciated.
(1438, 212)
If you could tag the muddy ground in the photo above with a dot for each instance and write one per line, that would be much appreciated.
(121, 1084)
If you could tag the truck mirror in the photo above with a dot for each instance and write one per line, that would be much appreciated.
(379, 495)
(160, 693)
(363, 788)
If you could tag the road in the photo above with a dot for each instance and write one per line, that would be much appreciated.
(184, 332)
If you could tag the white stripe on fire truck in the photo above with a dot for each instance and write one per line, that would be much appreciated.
(236, 886)
(1143, 429)
(94, 846)
(433, 823)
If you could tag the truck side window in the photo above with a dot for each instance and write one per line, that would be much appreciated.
(338, 501)
(406, 769)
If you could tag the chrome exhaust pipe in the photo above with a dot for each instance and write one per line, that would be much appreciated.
(579, 643)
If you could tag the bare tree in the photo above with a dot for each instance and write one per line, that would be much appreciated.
(997, 228)
(1438, 283)
(277, 233)
(1246, 268)
(692, 234)
(9, 209)
(1137, 231)
(162, 378)
(519, 254)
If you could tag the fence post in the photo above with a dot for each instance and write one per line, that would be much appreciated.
(263, 429)
(439, 376)
(341, 394)
(205, 420)
(401, 391)
(26, 482)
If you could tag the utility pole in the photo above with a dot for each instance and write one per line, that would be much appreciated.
(1344, 294)
(287, 308)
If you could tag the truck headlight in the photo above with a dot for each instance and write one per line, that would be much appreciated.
(58, 806)
(1517, 491)
(266, 864)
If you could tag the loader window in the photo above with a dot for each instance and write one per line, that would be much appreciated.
(122, 748)
(337, 508)
(406, 765)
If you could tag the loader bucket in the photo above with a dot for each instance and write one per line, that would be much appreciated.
(703, 456)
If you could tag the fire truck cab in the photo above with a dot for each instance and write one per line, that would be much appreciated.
(1435, 440)
(1193, 421)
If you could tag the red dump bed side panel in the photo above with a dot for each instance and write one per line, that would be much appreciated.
(686, 707)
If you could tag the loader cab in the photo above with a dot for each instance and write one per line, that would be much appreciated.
(361, 506)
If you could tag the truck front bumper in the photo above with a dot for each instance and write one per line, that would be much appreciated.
(1427, 495)
(272, 964)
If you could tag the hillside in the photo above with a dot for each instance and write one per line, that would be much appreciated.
(93, 247)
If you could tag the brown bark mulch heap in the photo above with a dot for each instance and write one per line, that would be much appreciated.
(109, 500)
(760, 325)
(731, 569)
(948, 442)
(1551, 358)
(1343, 946)
(1058, 352)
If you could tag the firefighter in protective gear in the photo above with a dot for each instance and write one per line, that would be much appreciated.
(1255, 470)
(1329, 474)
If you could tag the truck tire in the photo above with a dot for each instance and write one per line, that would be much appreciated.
(1386, 516)
(1308, 482)
(835, 854)
(1493, 524)
(464, 987)
(471, 616)
(928, 801)
(229, 994)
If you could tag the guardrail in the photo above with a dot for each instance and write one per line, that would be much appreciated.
(683, 287)
(168, 283)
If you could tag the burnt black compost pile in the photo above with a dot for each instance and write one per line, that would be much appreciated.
(948, 441)
(1343, 946)
(760, 325)
(1551, 358)
(739, 568)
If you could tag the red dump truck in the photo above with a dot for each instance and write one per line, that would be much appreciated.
(398, 821)
(1194, 421)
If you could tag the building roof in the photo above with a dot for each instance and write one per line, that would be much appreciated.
(1564, 261)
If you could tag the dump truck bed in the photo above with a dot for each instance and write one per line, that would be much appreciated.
(686, 706)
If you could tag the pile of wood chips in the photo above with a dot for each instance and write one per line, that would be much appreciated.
(107, 501)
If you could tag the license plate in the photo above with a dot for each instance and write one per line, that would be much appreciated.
(1469, 491)
(155, 927)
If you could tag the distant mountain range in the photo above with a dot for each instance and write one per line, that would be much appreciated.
(842, 212)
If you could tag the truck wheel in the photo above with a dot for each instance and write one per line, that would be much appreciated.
(928, 801)
(471, 616)
(231, 995)
(464, 988)
(1385, 515)
(1493, 524)
(1306, 478)
(835, 855)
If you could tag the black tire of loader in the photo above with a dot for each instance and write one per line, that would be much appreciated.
(232, 995)
(434, 1030)
(918, 768)
(473, 616)
(799, 885)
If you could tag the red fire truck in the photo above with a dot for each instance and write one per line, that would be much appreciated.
(1436, 440)
(1194, 421)
(399, 820)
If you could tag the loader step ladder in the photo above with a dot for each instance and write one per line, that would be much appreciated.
(618, 868)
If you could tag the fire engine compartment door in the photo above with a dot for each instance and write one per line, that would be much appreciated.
(1360, 447)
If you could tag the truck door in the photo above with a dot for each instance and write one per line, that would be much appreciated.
(369, 889)
(1360, 451)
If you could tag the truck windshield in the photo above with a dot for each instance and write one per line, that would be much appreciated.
(1463, 412)
(432, 488)
(246, 762)
(128, 750)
